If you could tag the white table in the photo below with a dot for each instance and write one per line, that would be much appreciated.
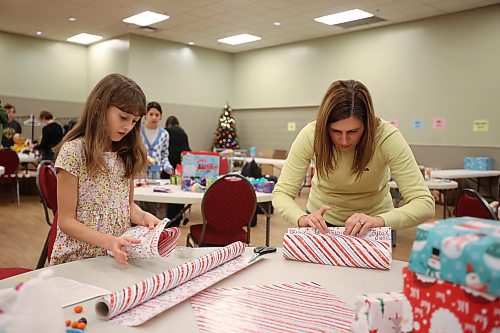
(178, 196)
(25, 158)
(464, 173)
(442, 185)
(344, 282)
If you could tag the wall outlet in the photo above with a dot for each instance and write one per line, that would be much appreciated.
(292, 127)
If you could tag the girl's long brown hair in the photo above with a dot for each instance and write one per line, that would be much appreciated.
(121, 92)
(342, 100)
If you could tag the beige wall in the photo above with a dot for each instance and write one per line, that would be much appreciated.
(440, 67)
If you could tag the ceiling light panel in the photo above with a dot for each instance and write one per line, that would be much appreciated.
(239, 39)
(342, 17)
(84, 38)
(146, 18)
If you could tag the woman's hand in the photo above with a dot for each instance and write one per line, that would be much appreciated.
(358, 224)
(315, 220)
(116, 248)
(149, 220)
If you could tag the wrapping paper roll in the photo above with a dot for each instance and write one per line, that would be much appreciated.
(373, 250)
(157, 242)
(127, 298)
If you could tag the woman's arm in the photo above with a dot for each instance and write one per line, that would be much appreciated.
(67, 192)
(292, 175)
(420, 204)
(165, 163)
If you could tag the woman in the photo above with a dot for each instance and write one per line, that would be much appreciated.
(353, 151)
(178, 140)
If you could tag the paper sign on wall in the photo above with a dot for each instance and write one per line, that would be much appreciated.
(417, 124)
(438, 123)
(480, 125)
(394, 122)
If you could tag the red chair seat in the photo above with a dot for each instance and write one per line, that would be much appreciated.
(212, 237)
(9, 272)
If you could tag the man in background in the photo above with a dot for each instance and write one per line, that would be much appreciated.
(11, 128)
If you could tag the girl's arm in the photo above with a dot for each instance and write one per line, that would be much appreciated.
(67, 189)
(137, 215)
(165, 163)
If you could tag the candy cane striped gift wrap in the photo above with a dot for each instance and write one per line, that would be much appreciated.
(157, 242)
(373, 250)
(289, 307)
(134, 305)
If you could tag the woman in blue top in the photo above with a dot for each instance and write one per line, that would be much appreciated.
(156, 140)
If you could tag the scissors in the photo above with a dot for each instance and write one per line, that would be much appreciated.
(260, 251)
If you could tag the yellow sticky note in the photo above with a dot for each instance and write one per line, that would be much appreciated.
(480, 125)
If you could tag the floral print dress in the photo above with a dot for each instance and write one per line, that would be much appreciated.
(103, 202)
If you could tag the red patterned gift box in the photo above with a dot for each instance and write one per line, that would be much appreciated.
(437, 306)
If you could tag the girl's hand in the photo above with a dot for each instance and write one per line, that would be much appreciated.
(149, 220)
(315, 220)
(116, 248)
(358, 224)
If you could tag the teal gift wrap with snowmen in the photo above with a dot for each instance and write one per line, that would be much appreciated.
(463, 250)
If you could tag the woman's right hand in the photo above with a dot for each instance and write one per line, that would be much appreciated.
(315, 220)
(116, 248)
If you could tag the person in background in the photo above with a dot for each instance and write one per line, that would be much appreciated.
(12, 129)
(156, 140)
(97, 162)
(52, 134)
(178, 143)
(354, 153)
(4, 119)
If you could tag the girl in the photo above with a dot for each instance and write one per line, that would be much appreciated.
(156, 140)
(97, 161)
(353, 151)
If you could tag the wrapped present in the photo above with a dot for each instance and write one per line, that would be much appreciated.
(432, 305)
(478, 163)
(373, 250)
(200, 164)
(462, 250)
(380, 312)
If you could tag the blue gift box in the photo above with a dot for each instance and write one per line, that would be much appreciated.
(465, 251)
(478, 163)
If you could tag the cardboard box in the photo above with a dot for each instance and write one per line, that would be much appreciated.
(433, 306)
(465, 251)
(478, 163)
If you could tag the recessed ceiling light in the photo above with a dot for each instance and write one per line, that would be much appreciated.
(276, 23)
(84, 38)
(39, 33)
(146, 18)
(239, 39)
(72, 19)
(190, 43)
(342, 17)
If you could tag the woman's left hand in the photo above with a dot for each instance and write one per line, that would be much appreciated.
(149, 220)
(358, 224)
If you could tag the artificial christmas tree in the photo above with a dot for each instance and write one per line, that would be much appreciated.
(225, 135)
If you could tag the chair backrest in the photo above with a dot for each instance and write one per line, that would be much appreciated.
(46, 184)
(229, 204)
(223, 166)
(49, 244)
(471, 203)
(10, 161)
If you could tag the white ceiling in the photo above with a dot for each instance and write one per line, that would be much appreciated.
(205, 21)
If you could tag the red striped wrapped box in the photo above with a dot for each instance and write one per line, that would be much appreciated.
(373, 250)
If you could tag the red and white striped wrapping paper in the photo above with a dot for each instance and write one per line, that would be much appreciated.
(288, 307)
(124, 300)
(157, 242)
(373, 250)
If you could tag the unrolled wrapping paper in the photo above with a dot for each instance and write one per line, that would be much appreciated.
(124, 306)
(373, 250)
(288, 307)
(157, 242)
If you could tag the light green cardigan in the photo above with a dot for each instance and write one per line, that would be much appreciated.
(346, 195)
